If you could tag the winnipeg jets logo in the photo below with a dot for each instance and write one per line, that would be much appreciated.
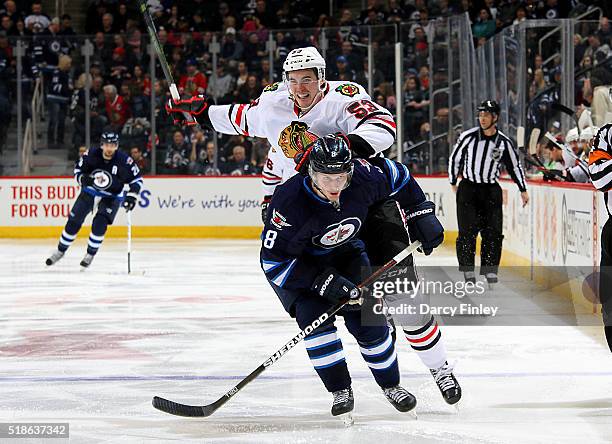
(278, 220)
(102, 179)
(338, 234)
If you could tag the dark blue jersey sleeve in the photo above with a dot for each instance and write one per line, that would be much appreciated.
(132, 175)
(380, 179)
(286, 235)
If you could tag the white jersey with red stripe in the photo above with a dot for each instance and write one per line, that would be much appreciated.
(345, 107)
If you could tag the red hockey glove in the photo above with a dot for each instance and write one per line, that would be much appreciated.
(196, 106)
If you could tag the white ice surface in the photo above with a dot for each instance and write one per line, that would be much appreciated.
(92, 348)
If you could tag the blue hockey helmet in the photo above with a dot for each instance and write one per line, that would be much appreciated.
(109, 137)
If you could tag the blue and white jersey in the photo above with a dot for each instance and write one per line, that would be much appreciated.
(301, 226)
(110, 176)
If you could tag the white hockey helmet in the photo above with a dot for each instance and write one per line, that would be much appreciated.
(304, 58)
(572, 135)
(588, 133)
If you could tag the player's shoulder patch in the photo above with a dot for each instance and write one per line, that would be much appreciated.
(347, 89)
(278, 220)
(129, 161)
(271, 87)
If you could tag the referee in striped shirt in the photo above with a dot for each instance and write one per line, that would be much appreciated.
(600, 170)
(477, 159)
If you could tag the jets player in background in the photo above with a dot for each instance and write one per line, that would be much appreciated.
(293, 114)
(313, 258)
(102, 174)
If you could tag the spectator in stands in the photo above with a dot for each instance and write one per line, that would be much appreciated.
(265, 13)
(253, 51)
(117, 111)
(37, 17)
(595, 46)
(102, 49)
(264, 73)
(140, 160)
(177, 155)
(485, 24)
(193, 82)
(362, 76)
(343, 71)
(202, 155)
(231, 49)
(108, 24)
(221, 85)
(119, 69)
(242, 75)
(237, 164)
(6, 25)
(259, 153)
(604, 32)
(415, 106)
(520, 15)
(11, 11)
(66, 26)
(58, 99)
(597, 89)
(250, 90)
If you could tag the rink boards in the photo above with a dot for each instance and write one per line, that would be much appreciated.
(560, 226)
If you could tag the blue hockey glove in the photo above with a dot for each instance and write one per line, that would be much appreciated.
(424, 226)
(334, 287)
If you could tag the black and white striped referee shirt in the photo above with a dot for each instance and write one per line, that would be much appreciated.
(600, 163)
(478, 158)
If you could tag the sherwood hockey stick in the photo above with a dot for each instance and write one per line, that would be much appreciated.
(159, 50)
(175, 408)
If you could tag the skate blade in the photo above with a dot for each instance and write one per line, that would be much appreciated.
(347, 419)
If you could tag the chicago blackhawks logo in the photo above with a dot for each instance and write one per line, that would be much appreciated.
(339, 233)
(346, 89)
(271, 87)
(295, 138)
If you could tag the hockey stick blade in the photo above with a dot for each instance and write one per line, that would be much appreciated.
(520, 137)
(203, 411)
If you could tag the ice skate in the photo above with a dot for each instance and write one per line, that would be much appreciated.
(54, 258)
(447, 383)
(400, 398)
(87, 260)
(491, 279)
(343, 405)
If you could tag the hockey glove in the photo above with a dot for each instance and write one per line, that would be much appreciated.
(196, 106)
(86, 180)
(129, 202)
(335, 288)
(264, 207)
(552, 175)
(424, 226)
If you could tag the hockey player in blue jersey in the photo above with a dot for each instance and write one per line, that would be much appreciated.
(297, 111)
(312, 257)
(102, 174)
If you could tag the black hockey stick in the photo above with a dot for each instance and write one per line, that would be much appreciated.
(175, 408)
(565, 110)
(159, 50)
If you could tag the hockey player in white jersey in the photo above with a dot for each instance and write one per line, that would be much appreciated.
(294, 113)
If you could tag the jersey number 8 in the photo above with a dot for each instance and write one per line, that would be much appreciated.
(269, 239)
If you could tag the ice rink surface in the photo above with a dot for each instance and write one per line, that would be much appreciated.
(92, 348)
